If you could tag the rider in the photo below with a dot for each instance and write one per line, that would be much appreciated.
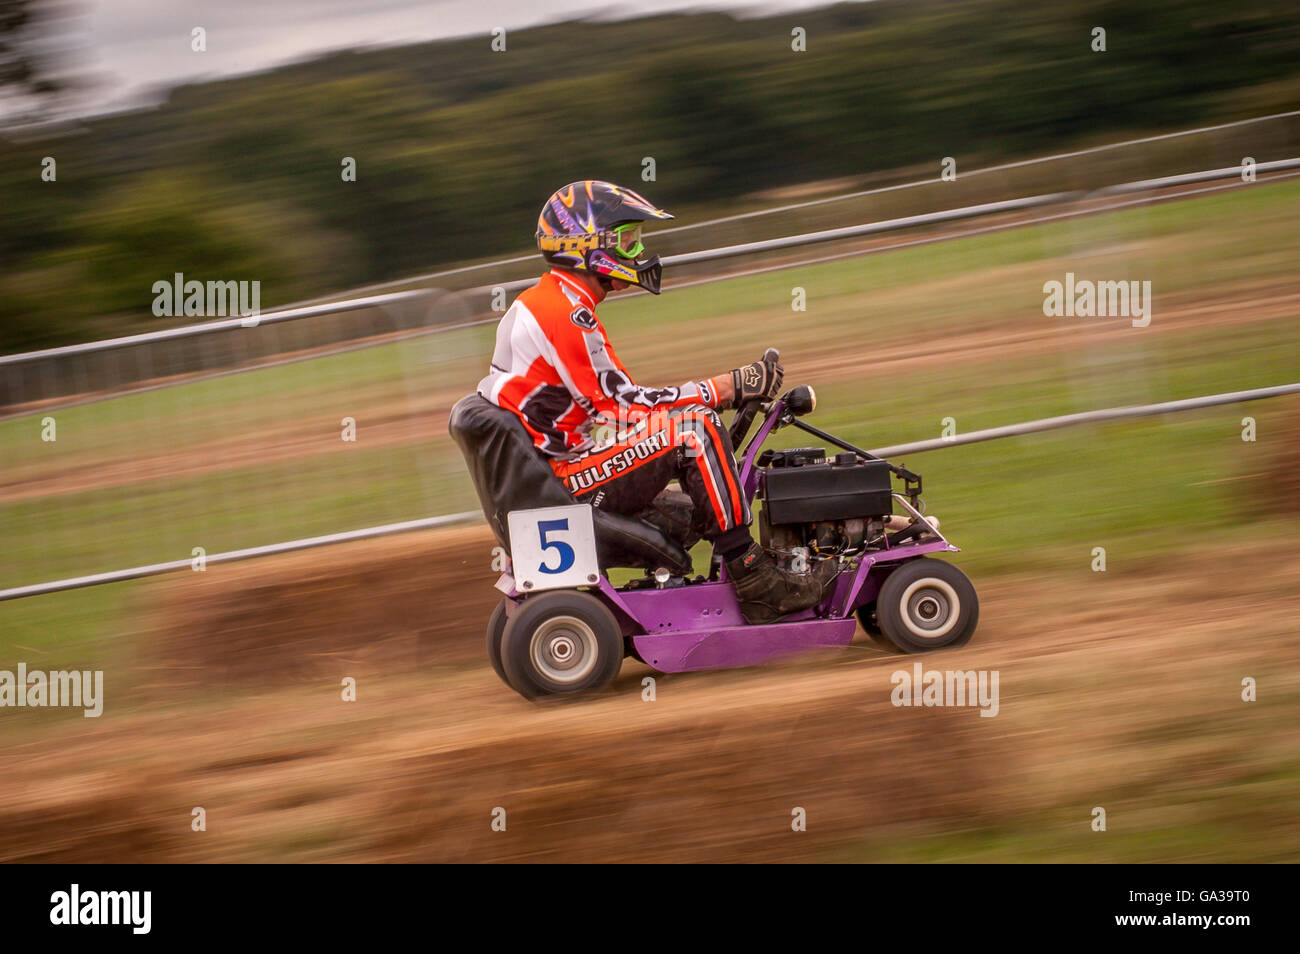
(554, 367)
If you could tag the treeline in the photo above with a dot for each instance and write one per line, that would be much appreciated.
(456, 145)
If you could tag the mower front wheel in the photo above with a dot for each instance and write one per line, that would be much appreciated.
(925, 605)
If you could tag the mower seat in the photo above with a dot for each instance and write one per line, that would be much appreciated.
(509, 473)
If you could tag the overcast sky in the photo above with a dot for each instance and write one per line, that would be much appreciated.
(135, 45)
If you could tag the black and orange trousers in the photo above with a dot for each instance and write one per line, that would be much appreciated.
(687, 444)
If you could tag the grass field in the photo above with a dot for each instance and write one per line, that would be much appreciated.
(1119, 690)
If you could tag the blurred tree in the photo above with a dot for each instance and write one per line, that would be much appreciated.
(32, 86)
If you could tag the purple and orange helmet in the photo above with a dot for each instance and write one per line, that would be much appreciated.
(595, 226)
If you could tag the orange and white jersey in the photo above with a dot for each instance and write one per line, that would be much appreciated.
(554, 366)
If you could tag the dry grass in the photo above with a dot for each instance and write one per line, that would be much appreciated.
(1120, 690)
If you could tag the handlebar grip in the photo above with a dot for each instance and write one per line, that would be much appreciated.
(742, 422)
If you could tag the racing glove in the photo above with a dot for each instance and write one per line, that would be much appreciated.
(760, 380)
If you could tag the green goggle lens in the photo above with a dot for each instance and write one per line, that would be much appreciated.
(627, 240)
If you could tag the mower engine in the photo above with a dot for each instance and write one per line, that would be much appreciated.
(817, 508)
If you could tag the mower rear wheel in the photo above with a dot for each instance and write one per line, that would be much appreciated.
(561, 643)
(495, 630)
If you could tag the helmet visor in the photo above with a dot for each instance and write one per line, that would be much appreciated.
(627, 239)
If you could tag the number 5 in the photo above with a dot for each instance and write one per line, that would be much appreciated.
(566, 552)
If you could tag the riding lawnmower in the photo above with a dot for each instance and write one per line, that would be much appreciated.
(563, 627)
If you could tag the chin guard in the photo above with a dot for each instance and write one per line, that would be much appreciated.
(649, 274)
(607, 269)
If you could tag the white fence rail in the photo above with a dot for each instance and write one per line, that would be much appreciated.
(231, 556)
(916, 447)
(211, 327)
(1088, 417)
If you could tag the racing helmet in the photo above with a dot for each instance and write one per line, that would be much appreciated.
(594, 226)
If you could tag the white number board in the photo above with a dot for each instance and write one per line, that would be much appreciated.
(553, 547)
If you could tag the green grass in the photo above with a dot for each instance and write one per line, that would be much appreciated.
(1044, 840)
(80, 629)
(301, 394)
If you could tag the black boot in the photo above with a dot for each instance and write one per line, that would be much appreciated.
(768, 592)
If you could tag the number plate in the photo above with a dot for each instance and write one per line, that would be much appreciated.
(553, 547)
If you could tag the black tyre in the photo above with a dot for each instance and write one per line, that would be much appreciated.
(495, 630)
(561, 643)
(867, 617)
(927, 604)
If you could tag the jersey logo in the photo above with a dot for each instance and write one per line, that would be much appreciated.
(583, 318)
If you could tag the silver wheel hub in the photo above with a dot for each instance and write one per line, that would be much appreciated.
(930, 608)
(563, 649)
